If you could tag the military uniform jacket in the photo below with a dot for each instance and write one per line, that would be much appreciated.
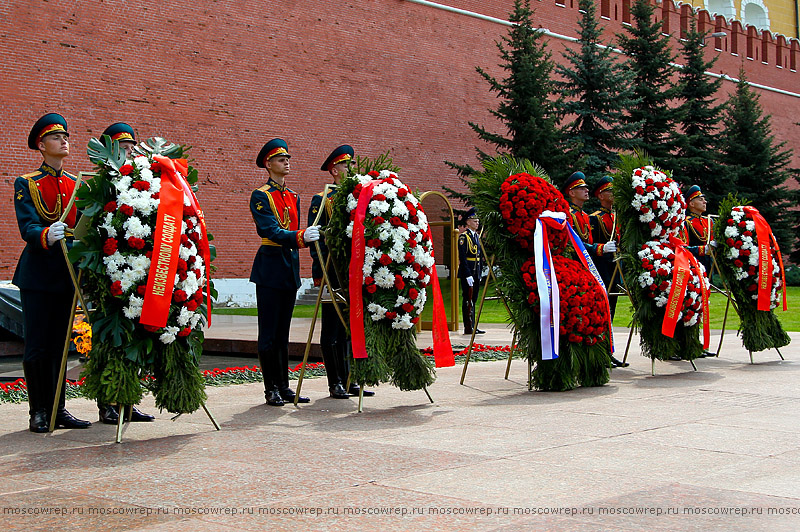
(695, 233)
(583, 226)
(39, 200)
(275, 212)
(602, 222)
(316, 205)
(470, 256)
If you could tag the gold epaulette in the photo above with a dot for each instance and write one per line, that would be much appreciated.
(32, 174)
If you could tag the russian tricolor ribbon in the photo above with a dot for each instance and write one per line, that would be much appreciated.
(764, 237)
(547, 284)
(681, 274)
(586, 260)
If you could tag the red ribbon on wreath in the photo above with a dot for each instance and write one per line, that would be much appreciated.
(764, 237)
(681, 273)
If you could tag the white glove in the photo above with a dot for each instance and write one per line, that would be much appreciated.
(311, 234)
(470, 281)
(55, 233)
(713, 243)
(610, 247)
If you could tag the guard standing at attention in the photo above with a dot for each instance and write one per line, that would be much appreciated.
(698, 230)
(123, 133)
(576, 192)
(45, 286)
(276, 268)
(605, 230)
(470, 268)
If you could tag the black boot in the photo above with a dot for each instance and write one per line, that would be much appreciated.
(36, 409)
(65, 420)
(329, 357)
(108, 414)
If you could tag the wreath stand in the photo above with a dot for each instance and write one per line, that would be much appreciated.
(483, 298)
(78, 296)
(340, 302)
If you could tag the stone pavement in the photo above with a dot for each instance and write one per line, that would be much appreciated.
(715, 449)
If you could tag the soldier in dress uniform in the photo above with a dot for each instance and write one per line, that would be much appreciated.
(123, 133)
(470, 268)
(697, 230)
(605, 230)
(45, 286)
(333, 335)
(276, 268)
(697, 233)
(576, 192)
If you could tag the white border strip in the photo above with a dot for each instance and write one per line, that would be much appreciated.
(573, 39)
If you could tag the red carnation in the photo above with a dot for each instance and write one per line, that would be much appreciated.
(385, 259)
(127, 210)
(368, 280)
(116, 288)
(373, 174)
(191, 305)
(141, 185)
(110, 246)
(141, 289)
(378, 220)
(156, 196)
(184, 332)
(155, 166)
(379, 197)
(136, 243)
(415, 320)
(413, 293)
(188, 210)
(391, 315)
(408, 307)
(372, 288)
(398, 282)
(738, 263)
(402, 193)
(409, 257)
(198, 296)
(179, 296)
(126, 169)
(111, 206)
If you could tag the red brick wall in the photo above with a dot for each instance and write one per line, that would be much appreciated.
(226, 76)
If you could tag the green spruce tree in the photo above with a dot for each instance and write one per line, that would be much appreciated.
(598, 92)
(696, 160)
(650, 60)
(528, 108)
(757, 167)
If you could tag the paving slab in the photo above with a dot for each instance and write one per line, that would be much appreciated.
(712, 449)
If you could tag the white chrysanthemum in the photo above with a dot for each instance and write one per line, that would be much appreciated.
(114, 262)
(141, 162)
(731, 231)
(135, 228)
(169, 335)
(383, 277)
(377, 208)
(399, 209)
(134, 308)
(661, 300)
(349, 230)
(184, 316)
(402, 322)
(107, 226)
(352, 202)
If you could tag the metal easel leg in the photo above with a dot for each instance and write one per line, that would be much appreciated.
(63, 369)
(425, 389)
(308, 348)
(211, 417)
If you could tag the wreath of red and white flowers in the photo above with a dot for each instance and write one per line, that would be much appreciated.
(398, 258)
(659, 201)
(742, 251)
(584, 318)
(657, 260)
(523, 198)
(128, 228)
